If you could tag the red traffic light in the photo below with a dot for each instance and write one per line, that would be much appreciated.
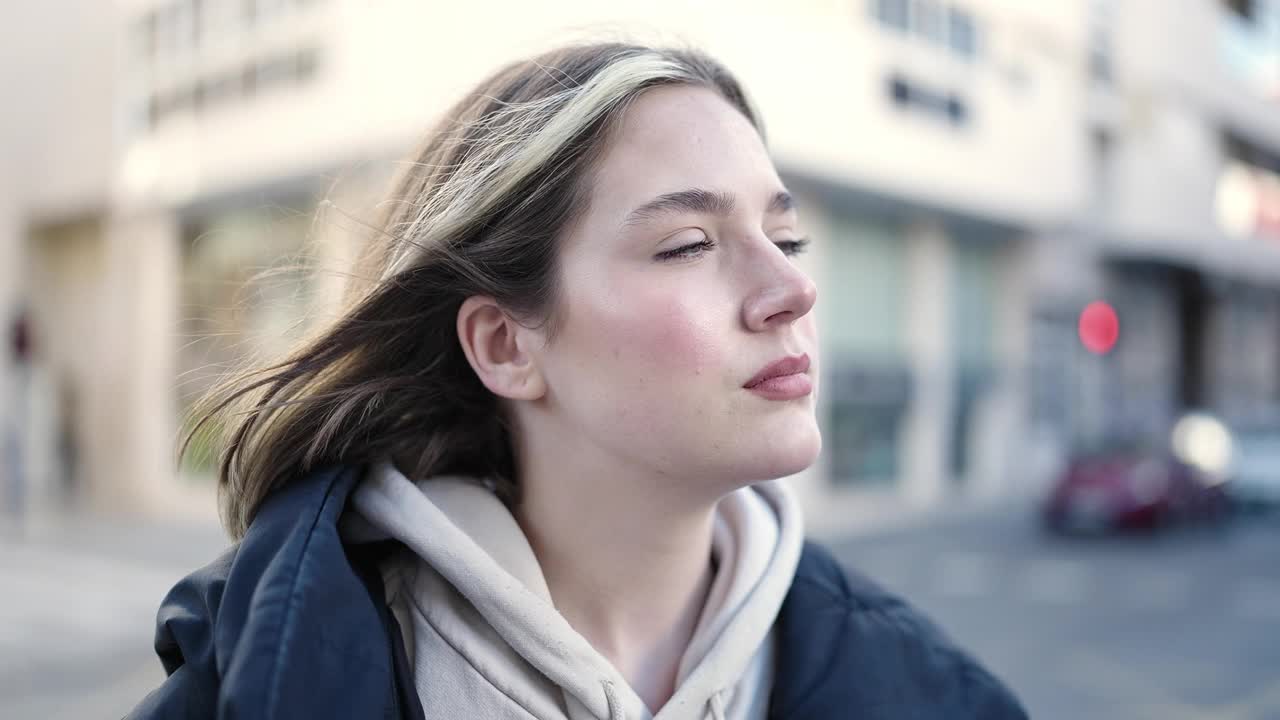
(1099, 327)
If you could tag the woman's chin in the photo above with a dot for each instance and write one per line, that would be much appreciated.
(787, 455)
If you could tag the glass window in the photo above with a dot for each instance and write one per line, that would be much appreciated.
(863, 442)
(308, 59)
(974, 304)
(863, 308)
(928, 20)
(280, 70)
(892, 13)
(863, 292)
(1245, 9)
(243, 294)
(974, 295)
(144, 34)
(962, 33)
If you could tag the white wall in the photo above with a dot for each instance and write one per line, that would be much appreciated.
(57, 71)
(1015, 159)
(817, 69)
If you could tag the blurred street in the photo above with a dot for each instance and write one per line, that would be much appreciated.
(1046, 243)
(78, 612)
(1172, 626)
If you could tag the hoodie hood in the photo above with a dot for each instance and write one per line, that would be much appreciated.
(487, 640)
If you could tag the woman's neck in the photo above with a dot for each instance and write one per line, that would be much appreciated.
(628, 568)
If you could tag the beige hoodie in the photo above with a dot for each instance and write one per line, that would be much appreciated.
(485, 640)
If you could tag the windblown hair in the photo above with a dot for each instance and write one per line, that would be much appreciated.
(478, 212)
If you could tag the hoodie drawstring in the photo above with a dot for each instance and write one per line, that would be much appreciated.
(717, 706)
(611, 697)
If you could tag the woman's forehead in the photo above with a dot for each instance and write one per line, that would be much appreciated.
(675, 139)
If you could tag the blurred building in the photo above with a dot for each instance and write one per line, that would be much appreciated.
(56, 144)
(975, 172)
(1185, 146)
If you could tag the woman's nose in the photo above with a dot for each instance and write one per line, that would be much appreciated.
(784, 295)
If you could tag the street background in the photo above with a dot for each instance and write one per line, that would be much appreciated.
(1175, 626)
(1042, 231)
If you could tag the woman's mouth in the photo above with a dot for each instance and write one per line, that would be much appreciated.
(784, 379)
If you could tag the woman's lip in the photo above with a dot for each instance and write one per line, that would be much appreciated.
(784, 387)
(792, 365)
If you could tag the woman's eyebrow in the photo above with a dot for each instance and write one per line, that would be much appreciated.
(698, 200)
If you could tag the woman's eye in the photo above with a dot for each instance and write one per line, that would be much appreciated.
(791, 248)
(687, 251)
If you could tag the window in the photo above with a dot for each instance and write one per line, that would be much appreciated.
(258, 11)
(249, 80)
(899, 90)
(238, 297)
(173, 30)
(974, 302)
(277, 70)
(868, 379)
(154, 111)
(864, 428)
(910, 95)
(217, 89)
(144, 34)
(307, 61)
(167, 20)
(962, 33)
(287, 69)
(893, 13)
(1236, 147)
(1244, 9)
(1100, 57)
(929, 21)
(1100, 143)
(181, 99)
(195, 14)
(940, 24)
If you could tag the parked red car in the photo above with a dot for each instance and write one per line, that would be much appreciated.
(1131, 487)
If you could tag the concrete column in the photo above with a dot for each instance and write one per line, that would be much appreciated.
(1002, 416)
(926, 442)
(134, 468)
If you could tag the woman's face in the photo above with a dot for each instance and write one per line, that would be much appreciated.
(677, 290)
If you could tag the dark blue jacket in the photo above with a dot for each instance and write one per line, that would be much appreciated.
(290, 623)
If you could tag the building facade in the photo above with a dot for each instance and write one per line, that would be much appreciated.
(974, 172)
(1186, 131)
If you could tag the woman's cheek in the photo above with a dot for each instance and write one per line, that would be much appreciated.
(653, 328)
(674, 338)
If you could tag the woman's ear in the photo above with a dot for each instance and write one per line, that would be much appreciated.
(497, 348)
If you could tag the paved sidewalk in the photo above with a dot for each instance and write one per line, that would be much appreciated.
(1179, 625)
(77, 610)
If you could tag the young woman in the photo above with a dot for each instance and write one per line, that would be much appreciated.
(530, 473)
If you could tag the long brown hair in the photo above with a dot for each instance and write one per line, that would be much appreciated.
(478, 212)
